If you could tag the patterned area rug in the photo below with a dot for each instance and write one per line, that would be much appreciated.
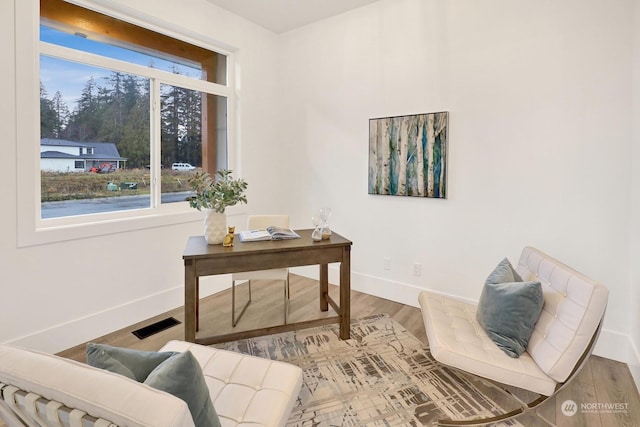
(382, 376)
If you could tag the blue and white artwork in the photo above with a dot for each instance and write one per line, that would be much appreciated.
(407, 155)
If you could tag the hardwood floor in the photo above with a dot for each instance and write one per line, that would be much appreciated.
(604, 391)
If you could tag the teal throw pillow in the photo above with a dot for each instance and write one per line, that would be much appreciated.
(508, 311)
(134, 364)
(503, 273)
(176, 373)
(181, 375)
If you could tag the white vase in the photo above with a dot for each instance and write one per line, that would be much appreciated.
(215, 226)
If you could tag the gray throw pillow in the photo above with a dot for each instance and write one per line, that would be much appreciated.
(508, 311)
(503, 273)
(179, 374)
(134, 364)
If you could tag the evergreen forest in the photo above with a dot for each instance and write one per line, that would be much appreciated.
(116, 109)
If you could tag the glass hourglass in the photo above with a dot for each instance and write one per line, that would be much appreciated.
(322, 230)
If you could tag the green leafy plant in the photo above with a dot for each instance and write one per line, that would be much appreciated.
(216, 194)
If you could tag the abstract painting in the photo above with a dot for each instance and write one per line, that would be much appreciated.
(407, 155)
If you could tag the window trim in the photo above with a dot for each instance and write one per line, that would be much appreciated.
(31, 229)
(69, 54)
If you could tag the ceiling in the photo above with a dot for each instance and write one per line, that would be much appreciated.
(280, 16)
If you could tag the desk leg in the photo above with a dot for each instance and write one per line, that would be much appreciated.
(324, 287)
(197, 304)
(345, 293)
(190, 301)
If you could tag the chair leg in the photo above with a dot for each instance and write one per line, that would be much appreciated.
(234, 320)
(197, 304)
(286, 299)
(526, 408)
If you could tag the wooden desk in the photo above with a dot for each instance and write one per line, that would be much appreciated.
(201, 259)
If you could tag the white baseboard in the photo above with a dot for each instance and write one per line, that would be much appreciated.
(635, 373)
(634, 364)
(616, 346)
(66, 335)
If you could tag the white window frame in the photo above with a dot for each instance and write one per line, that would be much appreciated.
(32, 230)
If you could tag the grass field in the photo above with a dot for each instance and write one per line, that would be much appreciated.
(57, 186)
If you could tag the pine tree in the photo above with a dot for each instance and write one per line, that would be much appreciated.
(181, 117)
(61, 114)
(170, 118)
(110, 99)
(135, 144)
(84, 121)
(191, 144)
(47, 115)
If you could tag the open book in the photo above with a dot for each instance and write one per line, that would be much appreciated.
(270, 233)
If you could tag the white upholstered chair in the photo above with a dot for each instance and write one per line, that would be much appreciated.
(562, 340)
(43, 390)
(260, 222)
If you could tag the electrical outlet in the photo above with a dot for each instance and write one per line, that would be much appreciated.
(417, 269)
(387, 263)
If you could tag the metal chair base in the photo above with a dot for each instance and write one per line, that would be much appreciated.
(531, 407)
(234, 320)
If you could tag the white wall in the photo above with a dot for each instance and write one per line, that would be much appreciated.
(54, 296)
(634, 358)
(59, 165)
(540, 139)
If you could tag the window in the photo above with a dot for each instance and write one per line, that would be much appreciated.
(119, 105)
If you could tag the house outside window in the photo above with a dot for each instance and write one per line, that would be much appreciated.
(147, 101)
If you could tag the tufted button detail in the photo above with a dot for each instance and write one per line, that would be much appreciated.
(258, 387)
(227, 381)
(565, 294)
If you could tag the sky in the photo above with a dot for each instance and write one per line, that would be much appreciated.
(69, 77)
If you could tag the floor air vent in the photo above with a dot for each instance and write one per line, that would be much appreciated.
(147, 331)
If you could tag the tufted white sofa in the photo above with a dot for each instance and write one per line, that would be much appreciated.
(566, 330)
(45, 390)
